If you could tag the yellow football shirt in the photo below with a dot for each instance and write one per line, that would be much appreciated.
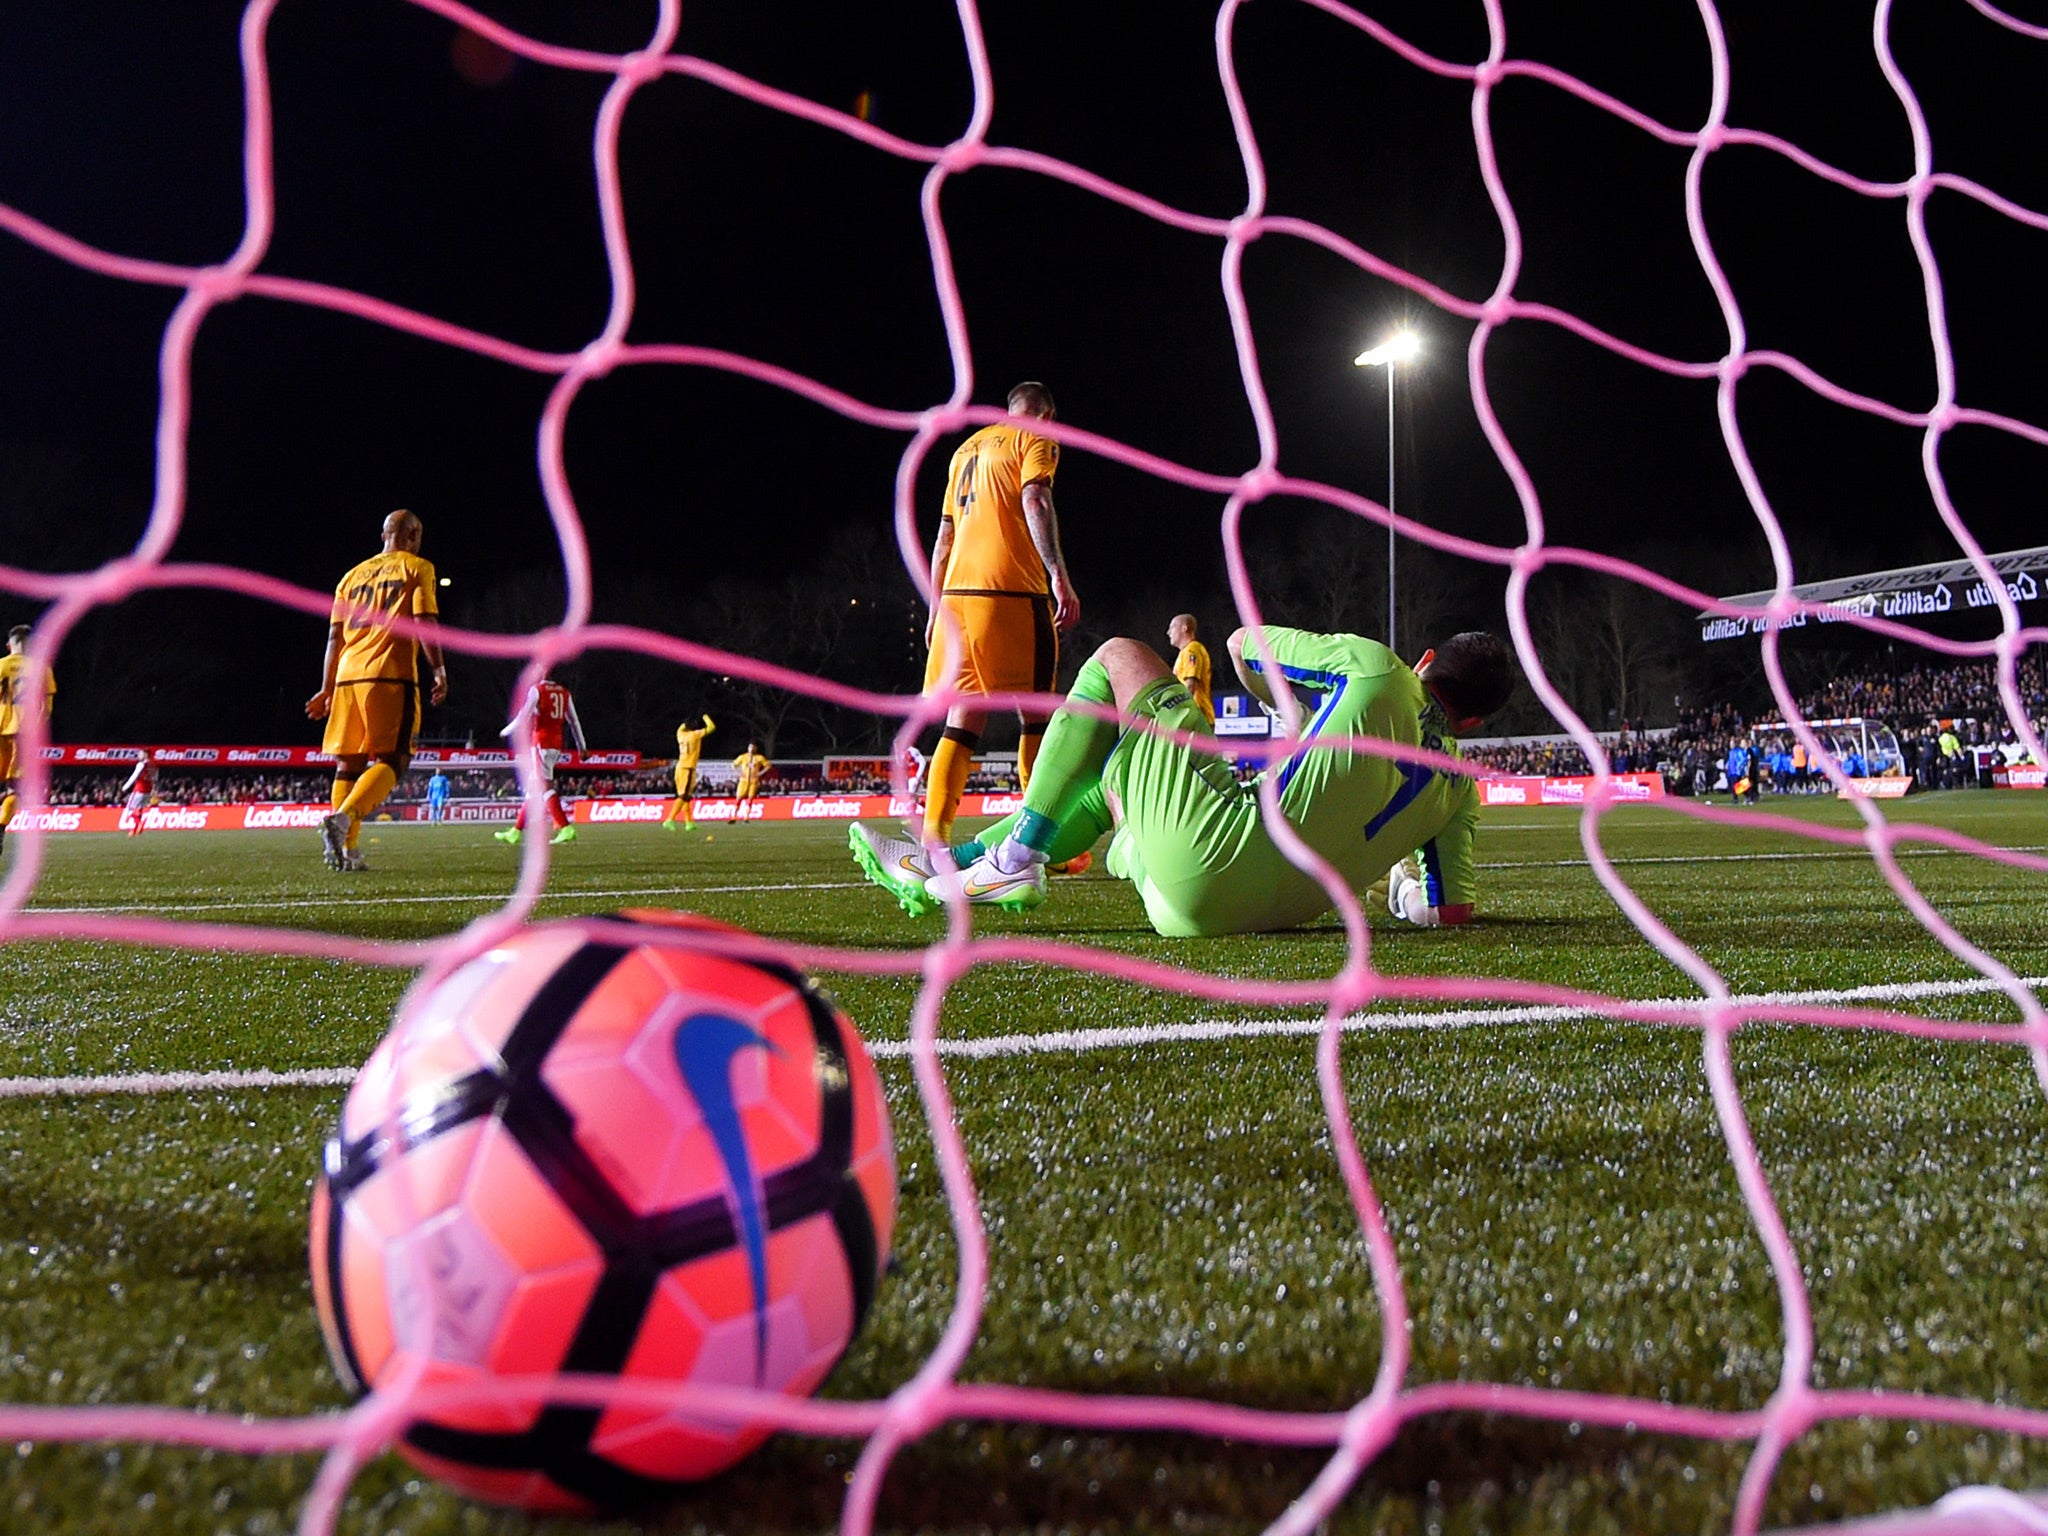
(13, 691)
(992, 548)
(367, 599)
(1191, 666)
(750, 766)
(690, 742)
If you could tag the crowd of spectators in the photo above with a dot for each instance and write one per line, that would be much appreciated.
(1941, 725)
(1631, 751)
(1965, 693)
(992, 776)
(308, 786)
(1947, 720)
(1959, 690)
(100, 786)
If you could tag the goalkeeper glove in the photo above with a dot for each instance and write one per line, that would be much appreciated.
(1407, 898)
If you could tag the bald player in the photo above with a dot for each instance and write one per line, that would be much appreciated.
(1002, 579)
(1191, 663)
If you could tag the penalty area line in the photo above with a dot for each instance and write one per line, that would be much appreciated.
(1063, 1042)
(1077, 1041)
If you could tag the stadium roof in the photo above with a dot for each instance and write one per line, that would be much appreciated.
(1906, 592)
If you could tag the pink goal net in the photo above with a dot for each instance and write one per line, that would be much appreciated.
(937, 1394)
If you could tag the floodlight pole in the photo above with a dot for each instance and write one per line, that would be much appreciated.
(1402, 346)
(1390, 511)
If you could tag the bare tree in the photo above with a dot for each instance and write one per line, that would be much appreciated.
(851, 616)
(1328, 571)
(1612, 648)
(1322, 570)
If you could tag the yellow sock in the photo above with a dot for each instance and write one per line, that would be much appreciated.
(6, 810)
(1027, 757)
(377, 781)
(944, 785)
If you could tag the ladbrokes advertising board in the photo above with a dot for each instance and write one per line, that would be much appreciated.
(781, 808)
(1530, 789)
(631, 811)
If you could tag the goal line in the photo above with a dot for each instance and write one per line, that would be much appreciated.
(1072, 1042)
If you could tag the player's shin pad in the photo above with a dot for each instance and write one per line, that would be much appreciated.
(1075, 748)
(947, 782)
(369, 791)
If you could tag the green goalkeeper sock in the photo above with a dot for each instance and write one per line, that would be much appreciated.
(1083, 819)
(1034, 831)
(1064, 809)
(1071, 758)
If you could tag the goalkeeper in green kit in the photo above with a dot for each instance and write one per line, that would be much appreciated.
(1189, 835)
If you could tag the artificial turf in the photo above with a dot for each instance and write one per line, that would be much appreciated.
(1163, 1218)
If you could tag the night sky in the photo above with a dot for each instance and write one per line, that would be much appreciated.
(407, 168)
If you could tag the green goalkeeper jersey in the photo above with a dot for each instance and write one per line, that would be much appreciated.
(1192, 839)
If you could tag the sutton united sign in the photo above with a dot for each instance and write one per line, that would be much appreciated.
(1908, 592)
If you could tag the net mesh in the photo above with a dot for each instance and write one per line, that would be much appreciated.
(936, 1394)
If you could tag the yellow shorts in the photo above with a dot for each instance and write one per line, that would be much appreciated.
(377, 717)
(686, 780)
(8, 758)
(1009, 644)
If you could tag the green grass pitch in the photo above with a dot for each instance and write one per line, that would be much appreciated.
(1163, 1218)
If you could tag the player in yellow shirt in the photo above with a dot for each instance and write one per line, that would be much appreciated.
(1001, 577)
(750, 765)
(369, 681)
(14, 713)
(689, 748)
(1191, 663)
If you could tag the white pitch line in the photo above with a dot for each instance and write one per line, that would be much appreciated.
(266, 902)
(495, 899)
(1074, 1041)
(1062, 1042)
(1935, 851)
(172, 1082)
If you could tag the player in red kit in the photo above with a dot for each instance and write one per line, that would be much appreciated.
(141, 792)
(553, 714)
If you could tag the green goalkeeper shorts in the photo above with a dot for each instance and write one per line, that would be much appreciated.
(1190, 837)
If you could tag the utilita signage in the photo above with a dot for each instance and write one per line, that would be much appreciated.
(1910, 592)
